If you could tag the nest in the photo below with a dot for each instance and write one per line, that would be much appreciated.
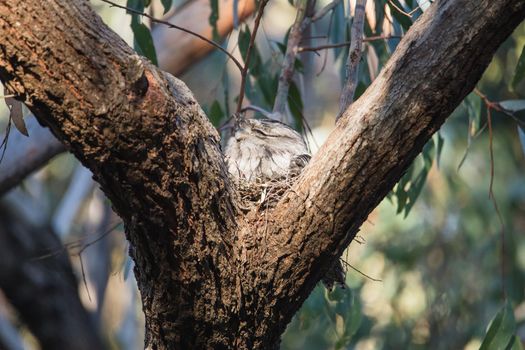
(262, 194)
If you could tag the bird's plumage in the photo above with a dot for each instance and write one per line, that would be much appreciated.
(265, 150)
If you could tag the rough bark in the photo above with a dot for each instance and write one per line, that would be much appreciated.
(36, 277)
(209, 276)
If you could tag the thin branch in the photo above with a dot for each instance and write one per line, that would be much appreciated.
(322, 12)
(156, 20)
(400, 10)
(244, 70)
(361, 272)
(348, 43)
(302, 21)
(490, 105)
(354, 56)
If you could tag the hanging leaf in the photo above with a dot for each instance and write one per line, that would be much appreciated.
(142, 40)
(16, 114)
(167, 5)
(255, 66)
(216, 114)
(339, 27)
(295, 103)
(519, 74)
(501, 330)
(513, 105)
(214, 17)
(474, 105)
(439, 141)
(521, 134)
(137, 5)
(401, 18)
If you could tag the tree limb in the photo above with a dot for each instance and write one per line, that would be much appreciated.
(354, 57)
(25, 154)
(176, 52)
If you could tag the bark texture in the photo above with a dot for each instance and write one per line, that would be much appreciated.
(36, 277)
(209, 276)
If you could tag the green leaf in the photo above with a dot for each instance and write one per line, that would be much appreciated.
(216, 113)
(515, 344)
(142, 40)
(137, 5)
(400, 17)
(521, 134)
(519, 74)
(268, 87)
(513, 105)
(167, 5)
(214, 17)
(473, 104)
(295, 103)
(439, 141)
(255, 66)
(339, 28)
(501, 330)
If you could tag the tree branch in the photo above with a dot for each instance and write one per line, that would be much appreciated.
(244, 70)
(26, 154)
(354, 57)
(433, 68)
(347, 43)
(176, 51)
(302, 21)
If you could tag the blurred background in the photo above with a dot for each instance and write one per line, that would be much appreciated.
(433, 264)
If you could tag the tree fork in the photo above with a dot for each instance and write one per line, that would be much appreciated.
(209, 276)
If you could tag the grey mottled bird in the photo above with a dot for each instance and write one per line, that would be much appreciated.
(262, 150)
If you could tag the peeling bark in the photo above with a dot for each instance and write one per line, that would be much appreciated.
(209, 276)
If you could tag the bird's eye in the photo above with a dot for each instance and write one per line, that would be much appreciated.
(259, 132)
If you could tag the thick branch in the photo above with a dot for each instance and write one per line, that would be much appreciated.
(435, 66)
(148, 144)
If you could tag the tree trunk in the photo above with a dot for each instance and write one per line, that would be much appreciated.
(211, 276)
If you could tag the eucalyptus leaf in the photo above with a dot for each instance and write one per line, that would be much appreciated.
(214, 17)
(167, 5)
(401, 18)
(521, 134)
(295, 103)
(513, 105)
(216, 114)
(500, 333)
(519, 74)
(142, 40)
